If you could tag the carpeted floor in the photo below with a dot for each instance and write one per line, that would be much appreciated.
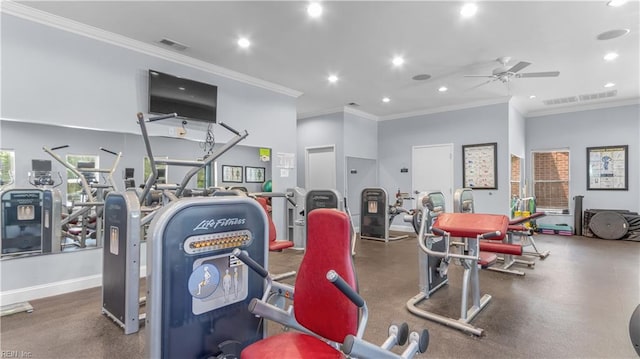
(574, 304)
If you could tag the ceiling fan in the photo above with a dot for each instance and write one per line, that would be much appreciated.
(507, 73)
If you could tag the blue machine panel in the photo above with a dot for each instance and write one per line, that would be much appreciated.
(199, 292)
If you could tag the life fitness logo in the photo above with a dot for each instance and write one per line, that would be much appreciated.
(220, 222)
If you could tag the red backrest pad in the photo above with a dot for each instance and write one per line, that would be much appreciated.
(472, 224)
(272, 227)
(318, 305)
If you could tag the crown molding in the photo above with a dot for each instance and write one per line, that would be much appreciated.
(317, 113)
(359, 113)
(578, 108)
(445, 109)
(58, 22)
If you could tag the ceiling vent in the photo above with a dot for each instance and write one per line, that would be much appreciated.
(560, 101)
(598, 96)
(174, 44)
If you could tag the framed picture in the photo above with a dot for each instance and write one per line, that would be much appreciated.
(479, 166)
(232, 174)
(254, 174)
(608, 168)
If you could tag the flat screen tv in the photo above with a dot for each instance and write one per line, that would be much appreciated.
(190, 99)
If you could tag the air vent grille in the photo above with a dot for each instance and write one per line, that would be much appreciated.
(173, 44)
(560, 101)
(597, 96)
(580, 98)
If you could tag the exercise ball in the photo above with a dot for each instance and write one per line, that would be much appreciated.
(266, 187)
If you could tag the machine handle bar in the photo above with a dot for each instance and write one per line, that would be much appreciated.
(59, 147)
(229, 128)
(490, 235)
(108, 151)
(244, 257)
(158, 118)
(354, 297)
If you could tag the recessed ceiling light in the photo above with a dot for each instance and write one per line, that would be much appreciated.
(468, 10)
(333, 78)
(616, 3)
(244, 43)
(314, 9)
(612, 34)
(386, 99)
(397, 61)
(181, 88)
(532, 97)
(443, 89)
(611, 56)
(609, 84)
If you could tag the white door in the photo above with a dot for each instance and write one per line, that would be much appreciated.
(432, 170)
(320, 168)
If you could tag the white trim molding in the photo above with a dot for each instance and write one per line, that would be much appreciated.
(58, 22)
(589, 107)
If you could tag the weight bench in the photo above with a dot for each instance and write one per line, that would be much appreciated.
(474, 228)
(517, 228)
(326, 308)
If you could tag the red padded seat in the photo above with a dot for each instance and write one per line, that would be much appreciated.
(318, 305)
(499, 247)
(487, 259)
(291, 346)
(470, 225)
(274, 244)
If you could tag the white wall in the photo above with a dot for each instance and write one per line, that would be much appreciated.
(582, 129)
(51, 76)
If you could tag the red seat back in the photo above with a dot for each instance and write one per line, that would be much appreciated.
(272, 227)
(318, 305)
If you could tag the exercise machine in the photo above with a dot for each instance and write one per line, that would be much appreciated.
(634, 329)
(326, 308)
(376, 214)
(22, 222)
(121, 260)
(296, 217)
(198, 291)
(88, 212)
(124, 223)
(472, 228)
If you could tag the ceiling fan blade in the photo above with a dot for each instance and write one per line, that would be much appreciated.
(519, 66)
(482, 84)
(539, 74)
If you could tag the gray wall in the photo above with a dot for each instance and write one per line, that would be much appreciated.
(51, 76)
(579, 130)
(462, 127)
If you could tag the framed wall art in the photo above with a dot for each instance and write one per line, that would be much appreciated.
(480, 170)
(608, 168)
(254, 174)
(232, 174)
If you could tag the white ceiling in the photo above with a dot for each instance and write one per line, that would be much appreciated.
(357, 40)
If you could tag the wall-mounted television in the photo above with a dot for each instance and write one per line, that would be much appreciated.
(190, 99)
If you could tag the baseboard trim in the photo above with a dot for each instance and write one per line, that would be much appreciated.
(50, 289)
(56, 288)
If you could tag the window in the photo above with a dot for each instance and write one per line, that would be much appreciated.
(83, 163)
(162, 170)
(7, 167)
(551, 180)
(516, 165)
